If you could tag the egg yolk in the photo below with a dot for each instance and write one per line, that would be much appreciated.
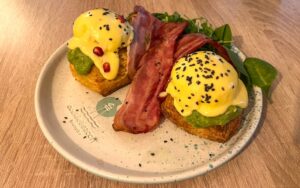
(100, 34)
(206, 82)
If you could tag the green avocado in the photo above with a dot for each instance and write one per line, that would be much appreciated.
(200, 121)
(82, 63)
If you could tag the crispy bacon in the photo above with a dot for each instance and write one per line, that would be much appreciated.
(141, 111)
(191, 42)
(145, 28)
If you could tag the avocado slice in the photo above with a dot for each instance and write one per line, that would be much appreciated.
(200, 121)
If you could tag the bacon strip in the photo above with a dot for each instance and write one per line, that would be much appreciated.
(145, 28)
(141, 111)
(191, 42)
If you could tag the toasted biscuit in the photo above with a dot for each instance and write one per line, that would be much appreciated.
(96, 82)
(215, 133)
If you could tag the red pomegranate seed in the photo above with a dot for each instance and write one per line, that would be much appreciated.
(98, 51)
(121, 18)
(106, 67)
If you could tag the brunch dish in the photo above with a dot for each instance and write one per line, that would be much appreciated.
(156, 98)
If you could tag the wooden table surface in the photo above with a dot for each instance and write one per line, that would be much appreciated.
(31, 30)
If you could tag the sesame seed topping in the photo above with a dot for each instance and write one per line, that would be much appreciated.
(182, 111)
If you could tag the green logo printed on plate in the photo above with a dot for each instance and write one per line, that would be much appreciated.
(107, 106)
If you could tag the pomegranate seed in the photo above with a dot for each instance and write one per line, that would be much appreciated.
(106, 67)
(98, 51)
(121, 18)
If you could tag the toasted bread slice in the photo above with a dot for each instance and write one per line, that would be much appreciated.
(96, 82)
(216, 133)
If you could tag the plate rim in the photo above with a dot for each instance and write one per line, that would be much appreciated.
(178, 176)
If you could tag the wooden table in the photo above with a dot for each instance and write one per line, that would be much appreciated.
(31, 30)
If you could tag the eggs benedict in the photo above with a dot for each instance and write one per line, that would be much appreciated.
(98, 50)
(205, 96)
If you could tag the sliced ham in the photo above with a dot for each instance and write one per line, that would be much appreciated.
(141, 111)
(145, 28)
(191, 42)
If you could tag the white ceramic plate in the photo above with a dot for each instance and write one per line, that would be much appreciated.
(77, 123)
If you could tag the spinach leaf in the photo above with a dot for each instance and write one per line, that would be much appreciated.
(223, 35)
(238, 64)
(262, 73)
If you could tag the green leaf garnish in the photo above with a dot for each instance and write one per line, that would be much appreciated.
(223, 35)
(262, 73)
(238, 64)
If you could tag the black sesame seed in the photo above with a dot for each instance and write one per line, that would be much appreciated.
(182, 111)
(184, 68)
(171, 139)
(232, 87)
(216, 100)
(120, 26)
(110, 39)
(214, 64)
(165, 141)
(189, 97)
(178, 68)
(193, 94)
(191, 65)
(217, 77)
(100, 28)
(221, 74)
(140, 165)
(223, 88)
(66, 117)
(152, 154)
(197, 103)
(226, 74)
(206, 62)
(198, 82)
(64, 121)
(228, 70)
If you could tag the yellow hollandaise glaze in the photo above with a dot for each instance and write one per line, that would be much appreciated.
(107, 32)
(206, 82)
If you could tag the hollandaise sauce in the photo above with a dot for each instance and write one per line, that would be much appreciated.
(205, 82)
(100, 34)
